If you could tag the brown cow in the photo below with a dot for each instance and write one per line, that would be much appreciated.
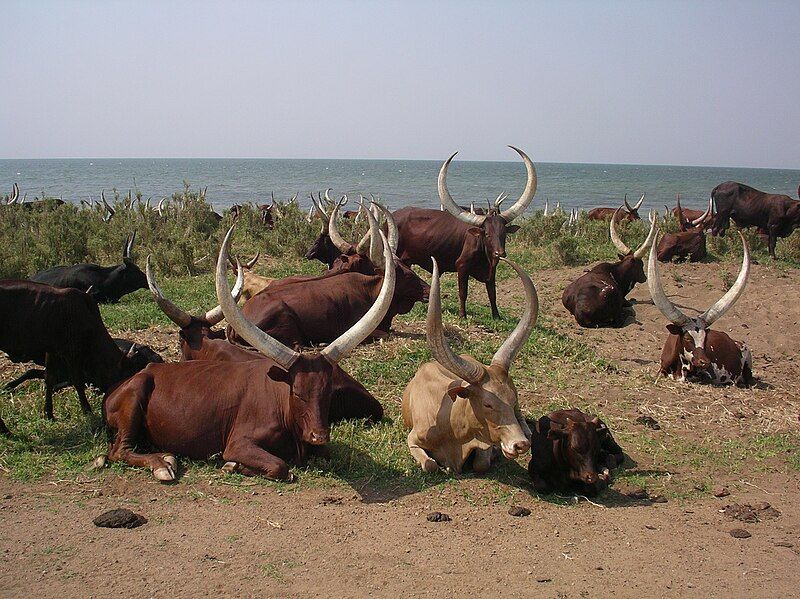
(688, 218)
(258, 415)
(695, 352)
(316, 310)
(597, 298)
(457, 407)
(631, 212)
(468, 244)
(775, 215)
(690, 242)
(572, 451)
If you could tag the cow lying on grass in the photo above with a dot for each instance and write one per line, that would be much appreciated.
(572, 451)
(458, 408)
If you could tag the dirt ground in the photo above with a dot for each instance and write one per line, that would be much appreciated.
(206, 538)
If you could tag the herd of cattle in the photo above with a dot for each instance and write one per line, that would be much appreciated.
(253, 394)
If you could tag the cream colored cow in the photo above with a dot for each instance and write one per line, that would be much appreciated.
(455, 405)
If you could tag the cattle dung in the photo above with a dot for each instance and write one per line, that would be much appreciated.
(438, 517)
(748, 513)
(740, 533)
(119, 518)
(518, 511)
(649, 422)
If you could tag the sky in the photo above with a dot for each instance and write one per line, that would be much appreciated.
(694, 83)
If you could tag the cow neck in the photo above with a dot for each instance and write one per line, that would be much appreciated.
(624, 281)
(464, 422)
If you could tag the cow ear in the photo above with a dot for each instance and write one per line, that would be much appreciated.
(128, 262)
(512, 229)
(475, 231)
(458, 392)
(621, 256)
(674, 329)
(276, 373)
(557, 430)
(132, 351)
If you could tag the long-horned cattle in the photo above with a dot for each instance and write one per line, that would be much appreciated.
(597, 298)
(457, 407)
(104, 283)
(775, 215)
(688, 218)
(695, 352)
(260, 415)
(307, 311)
(690, 242)
(572, 451)
(199, 341)
(631, 212)
(61, 329)
(468, 244)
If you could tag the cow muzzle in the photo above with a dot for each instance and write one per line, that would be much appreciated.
(700, 360)
(515, 449)
(318, 437)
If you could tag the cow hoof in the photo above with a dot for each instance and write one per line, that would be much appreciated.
(170, 459)
(100, 462)
(230, 467)
(164, 474)
(430, 466)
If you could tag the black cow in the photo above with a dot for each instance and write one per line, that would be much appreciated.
(106, 284)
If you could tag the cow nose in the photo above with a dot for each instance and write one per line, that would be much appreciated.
(521, 447)
(592, 478)
(500, 253)
(319, 438)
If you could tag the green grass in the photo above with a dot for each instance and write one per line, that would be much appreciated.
(373, 459)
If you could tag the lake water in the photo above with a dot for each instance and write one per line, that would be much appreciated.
(398, 182)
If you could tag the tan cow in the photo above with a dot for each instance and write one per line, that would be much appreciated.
(253, 283)
(455, 405)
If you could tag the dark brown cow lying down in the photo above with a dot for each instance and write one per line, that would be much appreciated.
(572, 451)
(259, 415)
(690, 242)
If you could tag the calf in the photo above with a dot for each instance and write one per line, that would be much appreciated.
(572, 451)
(260, 415)
(597, 298)
(106, 284)
(458, 408)
(695, 352)
(773, 214)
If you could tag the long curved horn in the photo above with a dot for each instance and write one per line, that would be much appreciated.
(638, 204)
(705, 215)
(173, 312)
(129, 245)
(546, 208)
(648, 241)
(366, 239)
(367, 323)
(526, 198)
(333, 232)
(391, 227)
(447, 200)
(264, 343)
(375, 245)
(249, 265)
(437, 342)
(511, 346)
(498, 201)
(328, 198)
(615, 239)
(724, 304)
(626, 204)
(111, 211)
(667, 308)
(215, 315)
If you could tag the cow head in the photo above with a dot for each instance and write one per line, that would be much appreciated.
(632, 212)
(578, 440)
(491, 393)
(630, 268)
(193, 329)
(123, 279)
(323, 248)
(493, 227)
(137, 355)
(691, 332)
(309, 376)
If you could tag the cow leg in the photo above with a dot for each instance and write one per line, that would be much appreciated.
(463, 284)
(491, 291)
(28, 375)
(482, 459)
(427, 463)
(247, 458)
(80, 389)
(49, 383)
(772, 240)
(356, 405)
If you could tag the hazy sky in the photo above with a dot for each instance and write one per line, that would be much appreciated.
(713, 83)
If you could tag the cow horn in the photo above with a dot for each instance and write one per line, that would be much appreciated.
(510, 348)
(448, 202)
(328, 198)
(173, 312)
(367, 323)
(502, 197)
(526, 198)
(546, 208)
(391, 227)
(472, 373)
(635, 208)
(472, 208)
(321, 213)
(249, 265)
(375, 245)
(368, 235)
(264, 343)
(716, 311)
(333, 232)
(215, 315)
(615, 239)
(667, 308)
(705, 214)
(111, 211)
(648, 241)
(129, 245)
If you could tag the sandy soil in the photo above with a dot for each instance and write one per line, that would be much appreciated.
(207, 538)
